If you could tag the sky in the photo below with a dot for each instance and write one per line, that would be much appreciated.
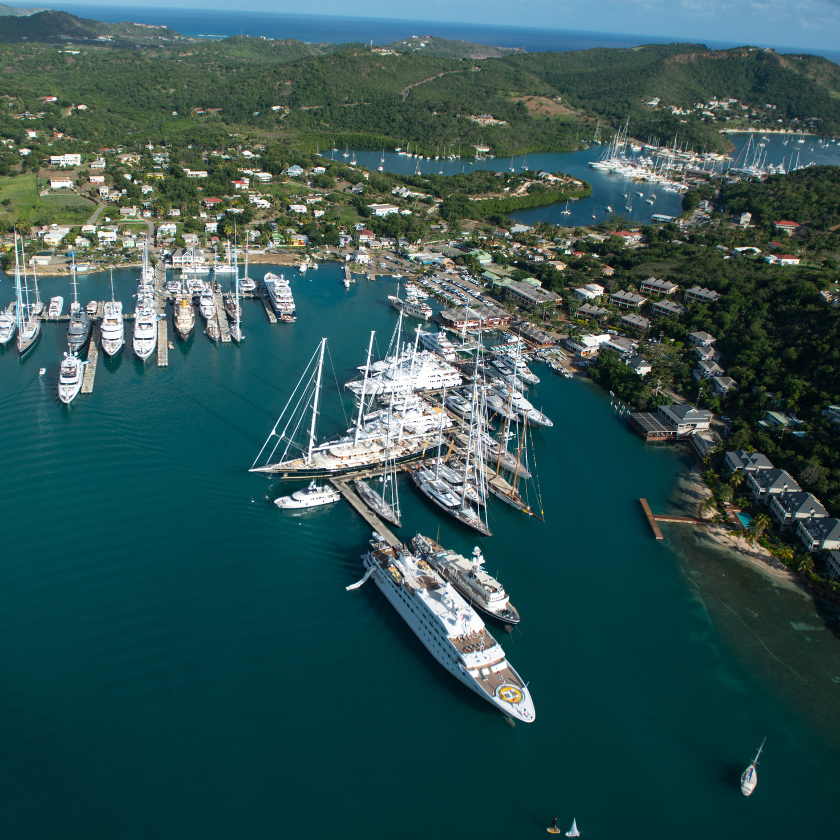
(798, 24)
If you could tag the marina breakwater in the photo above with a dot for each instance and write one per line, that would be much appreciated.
(182, 659)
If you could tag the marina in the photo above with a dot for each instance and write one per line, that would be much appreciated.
(92, 358)
(160, 666)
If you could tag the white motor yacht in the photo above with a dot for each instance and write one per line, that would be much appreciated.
(449, 627)
(8, 325)
(55, 307)
(113, 327)
(145, 333)
(311, 496)
(70, 378)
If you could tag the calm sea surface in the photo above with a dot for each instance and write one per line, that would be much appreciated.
(181, 659)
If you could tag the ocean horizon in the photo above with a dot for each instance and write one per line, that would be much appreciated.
(333, 29)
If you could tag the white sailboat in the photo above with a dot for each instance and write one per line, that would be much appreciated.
(232, 305)
(749, 778)
(28, 324)
(573, 831)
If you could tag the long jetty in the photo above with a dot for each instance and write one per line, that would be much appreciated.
(269, 311)
(93, 357)
(162, 342)
(221, 318)
(344, 487)
(655, 519)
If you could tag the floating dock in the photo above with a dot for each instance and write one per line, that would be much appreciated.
(221, 318)
(269, 311)
(162, 343)
(93, 357)
(344, 486)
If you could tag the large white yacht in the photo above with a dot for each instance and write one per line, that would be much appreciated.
(8, 325)
(398, 433)
(113, 327)
(311, 496)
(207, 304)
(70, 378)
(449, 627)
(520, 407)
(56, 306)
(280, 296)
(420, 371)
(468, 576)
(411, 306)
(439, 344)
(145, 332)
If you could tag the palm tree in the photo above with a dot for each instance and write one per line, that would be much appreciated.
(761, 523)
(737, 479)
(708, 505)
(806, 564)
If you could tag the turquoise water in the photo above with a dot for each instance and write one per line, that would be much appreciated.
(181, 659)
(746, 519)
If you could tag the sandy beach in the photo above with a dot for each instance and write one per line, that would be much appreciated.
(695, 491)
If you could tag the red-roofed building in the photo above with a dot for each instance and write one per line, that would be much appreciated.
(782, 259)
(786, 226)
(211, 202)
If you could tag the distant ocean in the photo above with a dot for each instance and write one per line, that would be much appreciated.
(341, 30)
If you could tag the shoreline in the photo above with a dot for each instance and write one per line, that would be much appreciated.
(692, 488)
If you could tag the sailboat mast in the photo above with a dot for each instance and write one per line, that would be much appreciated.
(364, 388)
(19, 307)
(315, 402)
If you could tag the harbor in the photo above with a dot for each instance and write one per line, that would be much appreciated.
(180, 649)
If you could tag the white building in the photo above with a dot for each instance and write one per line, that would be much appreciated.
(383, 209)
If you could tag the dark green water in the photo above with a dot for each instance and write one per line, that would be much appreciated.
(180, 659)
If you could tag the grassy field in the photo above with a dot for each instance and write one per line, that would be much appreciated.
(21, 190)
(67, 200)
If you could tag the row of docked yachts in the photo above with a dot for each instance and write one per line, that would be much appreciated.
(437, 592)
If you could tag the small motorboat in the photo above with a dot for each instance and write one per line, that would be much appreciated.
(311, 496)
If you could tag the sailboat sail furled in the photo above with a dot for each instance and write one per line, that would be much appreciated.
(391, 435)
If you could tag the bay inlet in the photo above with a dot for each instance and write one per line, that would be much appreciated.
(181, 659)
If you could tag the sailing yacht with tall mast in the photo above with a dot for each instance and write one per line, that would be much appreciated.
(28, 324)
(449, 627)
(232, 305)
(381, 436)
(749, 778)
(78, 330)
(113, 324)
(457, 500)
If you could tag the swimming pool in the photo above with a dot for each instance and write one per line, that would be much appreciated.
(746, 519)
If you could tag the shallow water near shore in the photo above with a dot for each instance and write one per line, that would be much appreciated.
(181, 659)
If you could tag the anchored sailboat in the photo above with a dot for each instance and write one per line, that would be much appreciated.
(573, 831)
(749, 778)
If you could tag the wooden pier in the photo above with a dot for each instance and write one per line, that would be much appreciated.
(162, 343)
(344, 486)
(93, 357)
(269, 311)
(221, 318)
(655, 519)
